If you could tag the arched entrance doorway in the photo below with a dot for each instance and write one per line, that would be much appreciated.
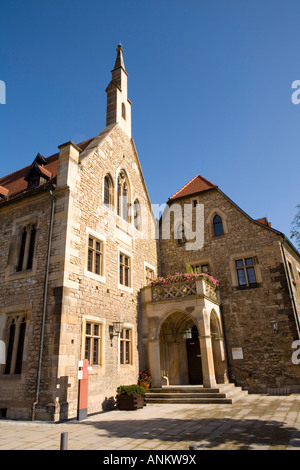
(180, 356)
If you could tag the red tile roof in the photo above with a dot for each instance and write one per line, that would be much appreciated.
(195, 185)
(15, 183)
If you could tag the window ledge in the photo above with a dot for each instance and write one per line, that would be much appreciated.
(20, 274)
(251, 286)
(125, 288)
(214, 237)
(96, 277)
(10, 377)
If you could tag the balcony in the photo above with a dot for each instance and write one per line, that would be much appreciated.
(175, 288)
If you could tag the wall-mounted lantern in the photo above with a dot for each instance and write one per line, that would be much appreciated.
(115, 329)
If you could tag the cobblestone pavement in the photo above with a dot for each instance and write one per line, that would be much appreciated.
(254, 422)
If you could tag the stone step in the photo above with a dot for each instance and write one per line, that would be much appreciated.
(190, 400)
(223, 393)
(185, 395)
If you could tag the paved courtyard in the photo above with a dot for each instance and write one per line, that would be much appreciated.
(254, 422)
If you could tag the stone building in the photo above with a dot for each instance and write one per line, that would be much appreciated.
(79, 249)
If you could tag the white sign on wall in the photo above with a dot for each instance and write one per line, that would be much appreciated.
(237, 353)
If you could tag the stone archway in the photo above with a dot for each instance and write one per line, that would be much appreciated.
(180, 358)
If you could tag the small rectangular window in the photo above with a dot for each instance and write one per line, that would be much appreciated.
(200, 268)
(149, 275)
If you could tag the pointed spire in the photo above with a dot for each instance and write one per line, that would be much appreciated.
(118, 105)
(119, 60)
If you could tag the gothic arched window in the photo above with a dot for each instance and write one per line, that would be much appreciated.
(218, 225)
(108, 191)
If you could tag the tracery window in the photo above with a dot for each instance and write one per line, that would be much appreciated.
(26, 248)
(16, 328)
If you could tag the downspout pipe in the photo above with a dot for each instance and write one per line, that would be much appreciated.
(44, 304)
(290, 288)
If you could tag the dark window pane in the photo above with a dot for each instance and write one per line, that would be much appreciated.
(88, 329)
(248, 261)
(10, 347)
(31, 248)
(241, 277)
(251, 276)
(87, 348)
(90, 260)
(20, 347)
(218, 225)
(127, 277)
(95, 351)
(127, 352)
(97, 263)
(22, 251)
(239, 263)
(106, 190)
(122, 352)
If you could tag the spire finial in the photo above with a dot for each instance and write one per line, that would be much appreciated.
(119, 60)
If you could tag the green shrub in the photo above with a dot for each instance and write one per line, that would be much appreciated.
(130, 390)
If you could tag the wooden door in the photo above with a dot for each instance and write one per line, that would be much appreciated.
(194, 361)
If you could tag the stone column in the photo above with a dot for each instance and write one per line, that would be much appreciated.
(208, 369)
(154, 363)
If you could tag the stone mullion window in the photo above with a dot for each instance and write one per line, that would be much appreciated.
(125, 270)
(95, 256)
(245, 272)
(126, 346)
(93, 338)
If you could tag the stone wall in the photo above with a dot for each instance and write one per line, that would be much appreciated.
(21, 293)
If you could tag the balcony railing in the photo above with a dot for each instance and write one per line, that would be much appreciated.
(173, 291)
(180, 290)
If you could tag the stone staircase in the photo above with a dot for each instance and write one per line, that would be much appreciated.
(194, 394)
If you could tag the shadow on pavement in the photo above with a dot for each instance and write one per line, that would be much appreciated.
(207, 433)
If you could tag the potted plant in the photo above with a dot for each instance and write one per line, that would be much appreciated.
(145, 379)
(130, 397)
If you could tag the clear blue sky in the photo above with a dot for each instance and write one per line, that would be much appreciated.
(210, 85)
